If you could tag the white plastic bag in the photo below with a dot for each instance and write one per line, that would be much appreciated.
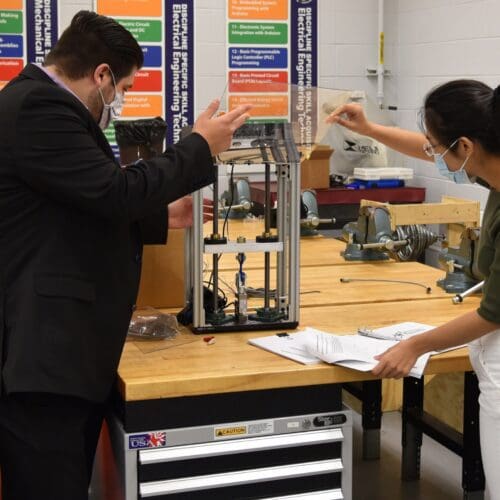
(352, 150)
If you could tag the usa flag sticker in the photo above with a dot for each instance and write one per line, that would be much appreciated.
(147, 440)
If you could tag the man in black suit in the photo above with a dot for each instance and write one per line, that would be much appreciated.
(72, 226)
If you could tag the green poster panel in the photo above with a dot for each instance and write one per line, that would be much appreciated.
(143, 30)
(110, 134)
(258, 33)
(11, 21)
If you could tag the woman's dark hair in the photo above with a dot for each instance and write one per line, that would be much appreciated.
(91, 40)
(464, 108)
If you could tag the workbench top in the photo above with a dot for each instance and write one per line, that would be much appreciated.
(316, 250)
(320, 285)
(189, 366)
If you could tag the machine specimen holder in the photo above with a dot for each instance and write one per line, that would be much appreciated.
(269, 144)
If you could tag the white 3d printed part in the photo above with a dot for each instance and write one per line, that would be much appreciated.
(376, 174)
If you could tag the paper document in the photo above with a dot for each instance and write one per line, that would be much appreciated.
(358, 352)
(288, 345)
(402, 331)
(355, 351)
(312, 346)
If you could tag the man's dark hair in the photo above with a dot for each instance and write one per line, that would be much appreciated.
(91, 40)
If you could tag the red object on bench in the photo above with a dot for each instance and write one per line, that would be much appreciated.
(344, 196)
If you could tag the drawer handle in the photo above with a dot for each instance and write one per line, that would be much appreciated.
(209, 481)
(260, 443)
(312, 495)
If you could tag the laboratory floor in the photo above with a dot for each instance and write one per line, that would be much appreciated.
(380, 479)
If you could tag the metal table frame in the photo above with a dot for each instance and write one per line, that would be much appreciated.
(416, 422)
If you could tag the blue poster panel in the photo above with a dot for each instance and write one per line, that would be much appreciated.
(258, 57)
(41, 29)
(11, 46)
(152, 56)
(304, 66)
(179, 66)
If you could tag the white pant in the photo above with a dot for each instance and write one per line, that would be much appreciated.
(485, 359)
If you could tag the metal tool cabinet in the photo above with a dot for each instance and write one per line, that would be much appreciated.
(299, 456)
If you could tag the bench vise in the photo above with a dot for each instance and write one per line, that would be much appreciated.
(460, 263)
(372, 238)
(236, 201)
(309, 214)
(399, 231)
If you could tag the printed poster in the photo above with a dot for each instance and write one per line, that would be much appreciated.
(164, 87)
(272, 60)
(12, 40)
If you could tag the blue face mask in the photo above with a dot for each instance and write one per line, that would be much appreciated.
(459, 176)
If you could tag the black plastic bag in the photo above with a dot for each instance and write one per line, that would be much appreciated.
(147, 131)
(140, 138)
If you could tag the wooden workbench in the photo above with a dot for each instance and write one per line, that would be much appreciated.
(320, 285)
(188, 366)
(316, 250)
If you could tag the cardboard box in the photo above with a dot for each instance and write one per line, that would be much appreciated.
(315, 171)
(162, 277)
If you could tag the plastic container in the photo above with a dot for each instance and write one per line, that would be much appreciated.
(375, 174)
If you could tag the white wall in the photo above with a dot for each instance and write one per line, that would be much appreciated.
(427, 42)
(347, 44)
(68, 8)
(441, 40)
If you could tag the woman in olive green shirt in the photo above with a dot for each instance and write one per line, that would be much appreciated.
(461, 134)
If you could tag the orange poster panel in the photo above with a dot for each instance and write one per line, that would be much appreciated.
(263, 105)
(12, 4)
(258, 9)
(143, 105)
(258, 81)
(118, 8)
(3, 84)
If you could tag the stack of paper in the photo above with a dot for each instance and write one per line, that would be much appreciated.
(352, 351)
(289, 345)
(355, 351)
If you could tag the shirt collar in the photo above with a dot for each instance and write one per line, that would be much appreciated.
(59, 82)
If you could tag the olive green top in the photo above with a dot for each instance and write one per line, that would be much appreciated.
(489, 259)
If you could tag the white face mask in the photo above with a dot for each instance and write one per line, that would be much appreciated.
(113, 110)
(459, 176)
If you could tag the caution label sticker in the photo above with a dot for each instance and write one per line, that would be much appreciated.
(244, 429)
(229, 432)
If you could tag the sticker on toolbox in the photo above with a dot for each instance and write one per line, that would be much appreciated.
(147, 440)
(256, 428)
(244, 429)
(230, 432)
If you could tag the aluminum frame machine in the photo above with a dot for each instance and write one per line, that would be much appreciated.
(272, 145)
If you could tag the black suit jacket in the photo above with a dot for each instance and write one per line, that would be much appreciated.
(71, 237)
